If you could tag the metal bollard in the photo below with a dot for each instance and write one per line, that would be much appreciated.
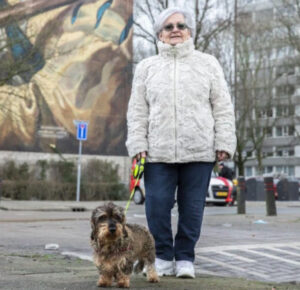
(241, 195)
(270, 196)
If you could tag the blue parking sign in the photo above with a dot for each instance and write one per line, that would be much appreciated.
(82, 128)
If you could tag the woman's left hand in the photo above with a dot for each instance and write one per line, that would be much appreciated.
(222, 155)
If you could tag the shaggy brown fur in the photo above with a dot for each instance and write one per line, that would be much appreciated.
(117, 246)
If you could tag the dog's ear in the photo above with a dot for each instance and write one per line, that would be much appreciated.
(122, 215)
(93, 225)
(93, 233)
(125, 233)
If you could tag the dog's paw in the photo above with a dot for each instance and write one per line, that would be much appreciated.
(153, 279)
(152, 275)
(102, 282)
(124, 283)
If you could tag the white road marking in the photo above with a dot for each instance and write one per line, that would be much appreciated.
(237, 257)
(272, 257)
(226, 266)
(201, 271)
(285, 251)
(243, 247)
(140, 216)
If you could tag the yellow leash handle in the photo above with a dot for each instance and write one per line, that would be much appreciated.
(139, 168)
(137, 175)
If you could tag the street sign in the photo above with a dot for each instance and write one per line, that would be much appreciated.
(82, 128)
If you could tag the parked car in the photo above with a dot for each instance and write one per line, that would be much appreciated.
(221, 191)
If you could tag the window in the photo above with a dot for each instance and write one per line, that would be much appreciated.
(249, 171)
(291, 130)
(290, 70)
(268, 169)
(265, 112)
(285, 90)
(285, 151)
(285, 131)
(269, 132)
(291, 152)
(268, 154)
(284, 111)
(291, 171)
(279, 131)
(285, 70)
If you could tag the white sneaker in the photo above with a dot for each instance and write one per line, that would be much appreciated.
(185, 269)
(164, 268)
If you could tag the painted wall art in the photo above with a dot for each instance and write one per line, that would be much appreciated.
(61, 61)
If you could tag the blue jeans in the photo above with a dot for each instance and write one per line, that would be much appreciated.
(161, 180)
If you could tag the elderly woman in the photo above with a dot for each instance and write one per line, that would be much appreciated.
(180, 116)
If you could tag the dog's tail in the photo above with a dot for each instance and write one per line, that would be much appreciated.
(139, 266)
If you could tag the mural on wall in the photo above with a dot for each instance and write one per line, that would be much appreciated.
(65, 60)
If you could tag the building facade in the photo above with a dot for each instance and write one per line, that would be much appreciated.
(274, 66)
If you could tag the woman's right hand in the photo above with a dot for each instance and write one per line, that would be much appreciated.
(141, 155)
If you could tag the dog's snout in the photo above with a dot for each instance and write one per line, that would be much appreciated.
(112, 228)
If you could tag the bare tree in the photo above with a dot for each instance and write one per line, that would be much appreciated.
(255, 98)
(288, 15)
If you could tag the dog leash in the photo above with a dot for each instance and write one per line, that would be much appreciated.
(137, 175)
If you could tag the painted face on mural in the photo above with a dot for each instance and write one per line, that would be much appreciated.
(175, 30)
(86, 48)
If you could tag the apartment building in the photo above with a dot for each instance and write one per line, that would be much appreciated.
(280, 120)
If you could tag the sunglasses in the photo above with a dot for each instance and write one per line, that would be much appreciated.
(180, 26)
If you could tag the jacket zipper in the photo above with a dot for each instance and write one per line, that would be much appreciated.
(175, 115)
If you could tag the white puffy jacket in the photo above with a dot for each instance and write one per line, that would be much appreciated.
(180, 109)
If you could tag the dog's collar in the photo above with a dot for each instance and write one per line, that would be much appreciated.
(125, 249)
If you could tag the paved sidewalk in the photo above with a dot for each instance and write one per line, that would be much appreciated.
(252, 251)
(52, 271)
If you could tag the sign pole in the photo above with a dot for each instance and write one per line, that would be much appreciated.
(78, 171)
(82, 128)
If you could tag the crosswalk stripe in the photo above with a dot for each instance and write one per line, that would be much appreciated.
(236, 257)
(272, 256)
(242, 247)
(226, 266)
(284, 251)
